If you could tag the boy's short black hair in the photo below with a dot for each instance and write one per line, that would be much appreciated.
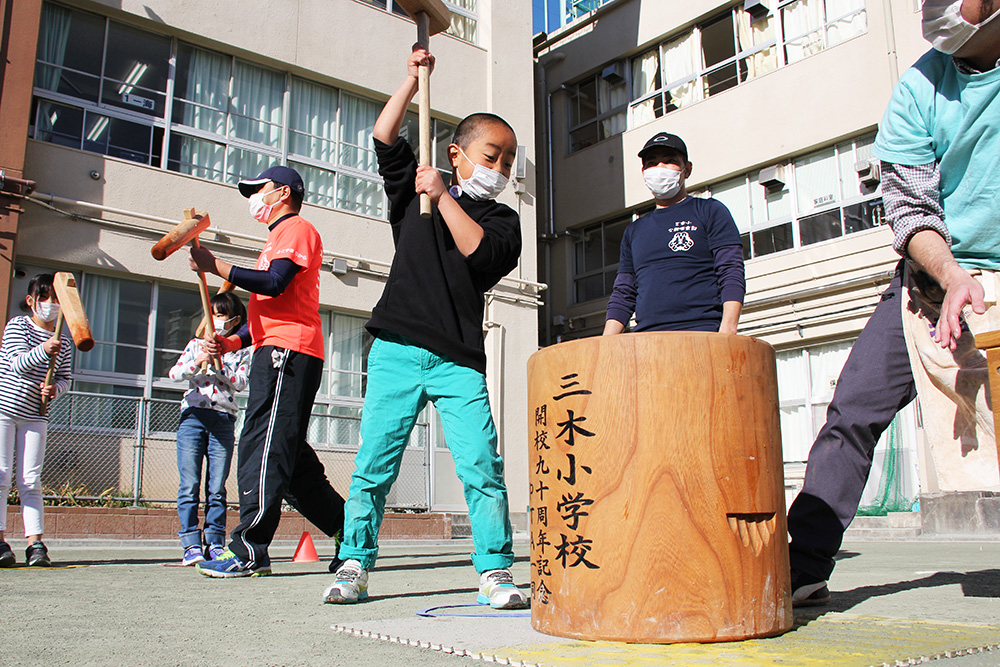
(230, 305)
(472, 127)
(39, 289)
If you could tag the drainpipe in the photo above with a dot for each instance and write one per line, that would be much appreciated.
(890, 43)
(544, 63)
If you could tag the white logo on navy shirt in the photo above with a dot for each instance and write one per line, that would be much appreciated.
(681, 242)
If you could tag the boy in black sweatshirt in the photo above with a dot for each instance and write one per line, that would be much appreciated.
(429, 346)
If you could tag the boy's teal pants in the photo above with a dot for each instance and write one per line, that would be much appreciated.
(402, 377)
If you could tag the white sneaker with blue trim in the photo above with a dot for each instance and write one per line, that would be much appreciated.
(497, 589)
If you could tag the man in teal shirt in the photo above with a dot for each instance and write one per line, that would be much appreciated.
(939, 143)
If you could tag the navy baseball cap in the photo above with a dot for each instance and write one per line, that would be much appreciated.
(280, 175)
(665, 140)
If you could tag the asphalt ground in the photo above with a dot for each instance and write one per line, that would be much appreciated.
(121, 604)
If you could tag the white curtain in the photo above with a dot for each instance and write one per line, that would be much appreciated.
(847, 18)
(359, 195)
(208, 87)
(735, 196)
(357, 120)
(257, 100)
(319, 183)
(816, 180)
(825, 364)
(751, 35)
(313, 121)
(347, 354)
(681, 59)
(611, 96)
(803, 23)
(52, 41)
(101, 297)
(645, 79)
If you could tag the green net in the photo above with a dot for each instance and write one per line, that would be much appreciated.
(891, 495)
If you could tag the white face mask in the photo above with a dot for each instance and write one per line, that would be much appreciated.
(945, 28)
(484, 183)
(663, 182)
(220, 325)
(260, 211)
(46, 311)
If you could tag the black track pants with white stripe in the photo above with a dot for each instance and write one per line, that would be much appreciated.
(274, 461)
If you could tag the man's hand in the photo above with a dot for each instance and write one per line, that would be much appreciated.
(612, 327)
(48, 390)
(428, 182)
(216, 345)
(961, 289)
(929, 249)
(420, 56)
(52, 345)
(202, 260)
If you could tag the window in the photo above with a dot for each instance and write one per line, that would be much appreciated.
(817, 198)
(812, 25)
(806, 380)
(595, 259)
(102, 87)
(464, 19)
(597, 107)
(731, 48)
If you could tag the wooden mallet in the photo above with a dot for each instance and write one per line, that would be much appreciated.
(195, 222)
(431, 17)
(71, 311)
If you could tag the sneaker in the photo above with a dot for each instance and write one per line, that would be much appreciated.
(192, 555)
(36, 555)
(350, 585)
(7, 557)
(807, 593)
(497, 589)
(228, 565)
(215, 551)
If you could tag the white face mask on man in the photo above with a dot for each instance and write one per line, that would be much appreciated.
(485, 183)
(260, 211)
(663, 182)
(945, 27)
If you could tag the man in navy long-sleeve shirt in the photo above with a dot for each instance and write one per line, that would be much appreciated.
(681, 265)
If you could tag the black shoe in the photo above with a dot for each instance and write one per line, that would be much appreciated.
(808, 591)
(7, 558)
(36, 555)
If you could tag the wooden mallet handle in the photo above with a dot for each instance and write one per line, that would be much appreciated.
(424, 105)
(206, 307)
(52, 364)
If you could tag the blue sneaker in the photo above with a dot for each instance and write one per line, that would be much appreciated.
(215, 551)
(192, 555)
(229, 565)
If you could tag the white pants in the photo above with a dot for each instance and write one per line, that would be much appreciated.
(22, 440)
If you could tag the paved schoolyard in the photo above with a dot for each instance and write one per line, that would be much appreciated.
(118, 604)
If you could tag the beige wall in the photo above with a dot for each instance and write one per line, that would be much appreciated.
(344, 43)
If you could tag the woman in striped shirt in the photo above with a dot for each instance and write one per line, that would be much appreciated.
(30, 342)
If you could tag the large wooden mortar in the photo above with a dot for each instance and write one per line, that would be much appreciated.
(657, 490)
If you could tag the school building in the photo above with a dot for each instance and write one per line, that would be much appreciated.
(125, 113)
(778, 102)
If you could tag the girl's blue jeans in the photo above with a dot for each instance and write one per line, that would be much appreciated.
(402, 377)
(203, 435)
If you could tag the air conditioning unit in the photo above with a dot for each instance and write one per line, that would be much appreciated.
(614, 74)
(772, 178)
(869, 173)
(756, 9)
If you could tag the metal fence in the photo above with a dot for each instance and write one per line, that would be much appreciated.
(124, 448)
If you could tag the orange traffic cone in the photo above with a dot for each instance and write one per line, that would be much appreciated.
(306, 551)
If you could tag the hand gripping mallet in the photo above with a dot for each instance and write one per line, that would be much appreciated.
(194, 224)
(431, 17)
(71, 310)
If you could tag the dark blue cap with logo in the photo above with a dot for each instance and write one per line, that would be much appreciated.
(665, 140)
(279, 174)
